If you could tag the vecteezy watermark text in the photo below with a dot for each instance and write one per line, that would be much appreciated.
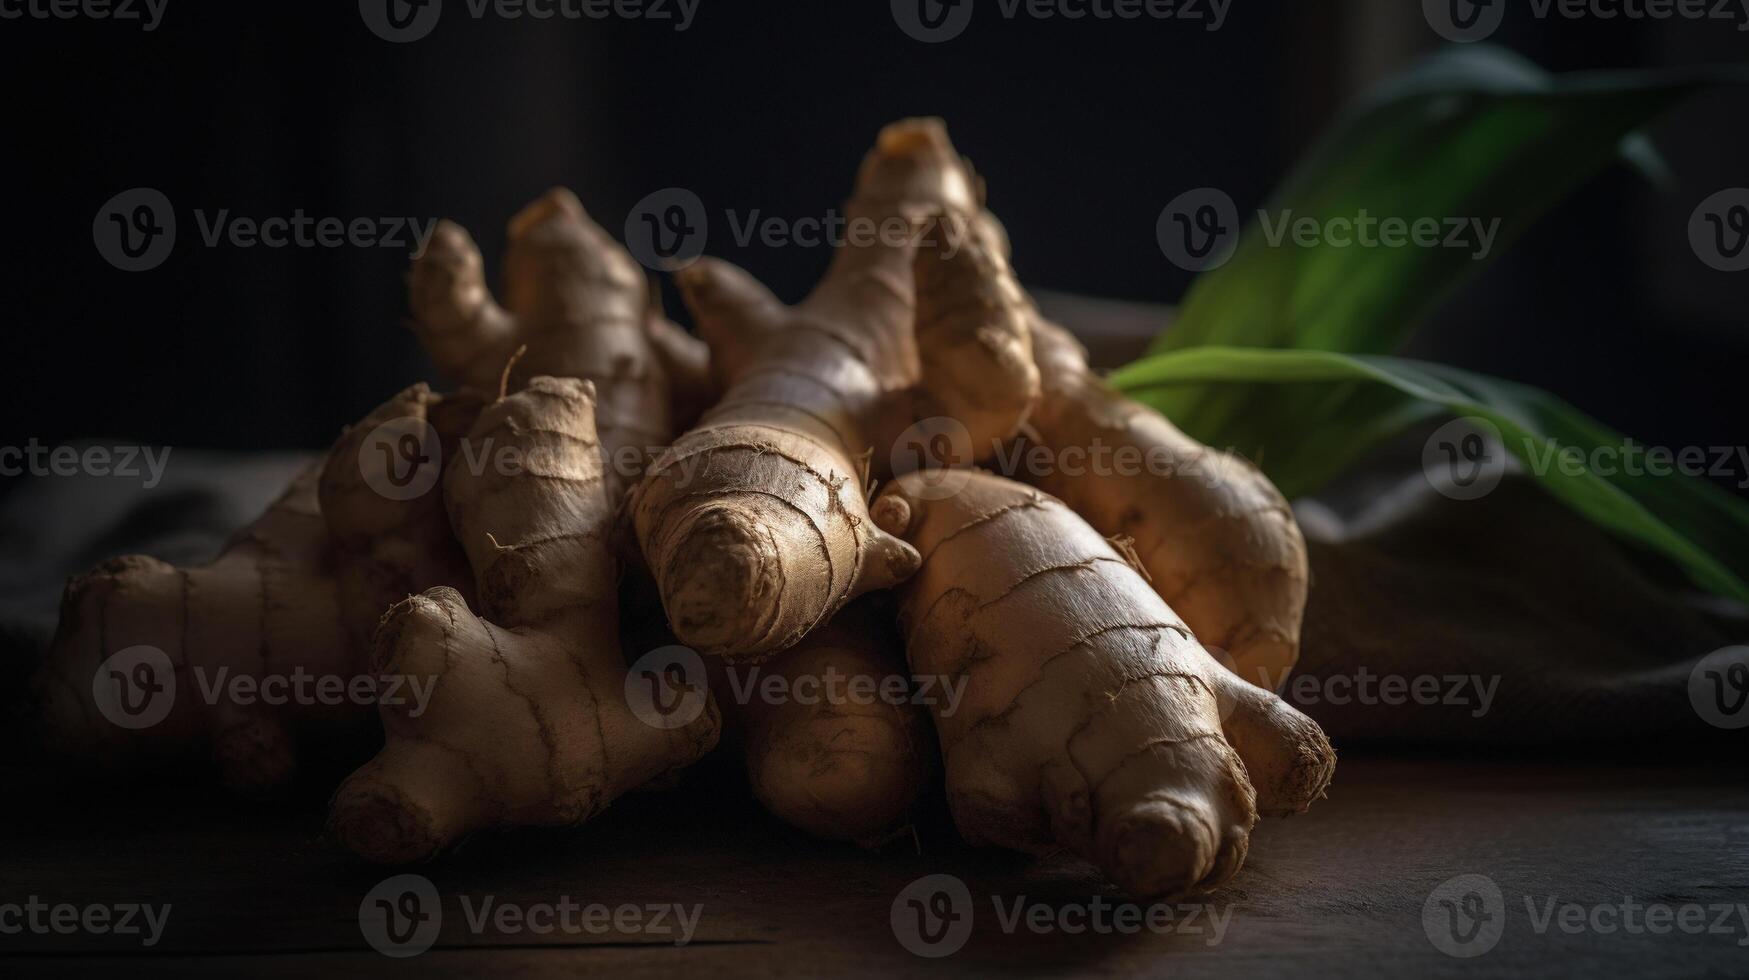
(1465, 916)
(941, 451)
(403, 21)
(1366, 230)
(1466, 458)
(833, 687)
(1199, 230)
(668, 688)
(123, 462)
(935, 21)
(933, 916)
(403, 458)
(136, 230)
(1473, 692)
(669, 229)
(147, 13)
(301, 230)
(137, 688)
(34, 916)
(403, 915)
(1467, 21)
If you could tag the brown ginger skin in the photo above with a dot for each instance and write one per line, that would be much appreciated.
(282, 598)
(1092, 719)
(1217, 540)
(973, 335)
(756, 522)
(576, 305)
(528, 722)
(306, 585)
(387, 547)
(843, 753)
(847, 766)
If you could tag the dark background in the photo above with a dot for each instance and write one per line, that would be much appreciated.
(1084, 129)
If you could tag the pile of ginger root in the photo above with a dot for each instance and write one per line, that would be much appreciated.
(753, 490)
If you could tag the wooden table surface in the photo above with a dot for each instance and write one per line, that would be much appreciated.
(1340, 891)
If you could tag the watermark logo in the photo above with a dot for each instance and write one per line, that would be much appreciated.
(932, 21)
(838, 688)
(1719, 230)
(1635, 918)
(1472, 693)
(1719, 688)
(1465, 458)
(667, 688)
(935, 21)
(401, 916)
(135, 230)
(147, 13)
(135, 688)
(1465, 916)
(40, 918)
(667, 230)
(121, 462)
(301, 230)
(1464, 21)
(1366, 230)
(401, 21)
(939, 450)
(932, 916)
(401, 459)
(404, 21)
(1468, 21)
(1199, 229)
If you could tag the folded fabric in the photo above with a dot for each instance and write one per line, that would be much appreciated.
(1501, 619)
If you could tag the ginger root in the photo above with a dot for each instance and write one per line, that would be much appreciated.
(577, 305)
(1092, 719)
(282, 598)
(1085, 713)
(843, 753)
(1217, 540)
(527, 723)
(755, 523)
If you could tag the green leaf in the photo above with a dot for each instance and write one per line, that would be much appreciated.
(1474, 133)
(1314, 412)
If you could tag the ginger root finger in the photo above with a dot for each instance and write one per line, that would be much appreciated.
(527, 722)
(1217, 539)
(384, 509)
(283, 598)
(844, 761)
(576, 300)
(267, 603)
(756, 523)
(973, 333)
(1092, 719)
